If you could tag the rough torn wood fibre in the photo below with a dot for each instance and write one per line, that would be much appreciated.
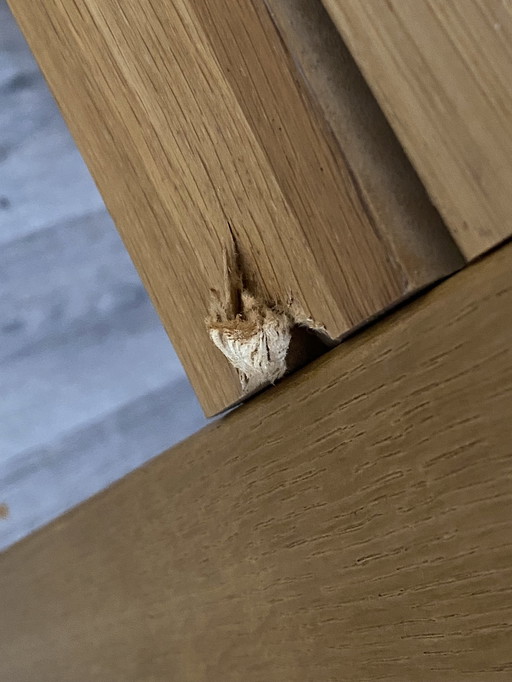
(252, 335)
(190, 114)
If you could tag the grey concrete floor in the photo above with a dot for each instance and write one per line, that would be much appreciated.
(90, 387)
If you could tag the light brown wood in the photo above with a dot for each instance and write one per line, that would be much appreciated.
(442, 72)
(352, 524)
(192, 116)
(391, 189)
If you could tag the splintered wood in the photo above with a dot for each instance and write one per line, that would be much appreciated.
(194, 115)
(253, 336)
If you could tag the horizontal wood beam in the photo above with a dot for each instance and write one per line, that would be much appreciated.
(195, 121)
(354, 523)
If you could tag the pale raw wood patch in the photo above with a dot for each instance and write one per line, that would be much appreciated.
(253, 336)
(255, 342)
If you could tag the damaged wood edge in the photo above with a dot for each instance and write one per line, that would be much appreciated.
(261, 340)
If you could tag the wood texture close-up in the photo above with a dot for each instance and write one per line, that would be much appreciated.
(352, 524)
(192, 117)
(442, 72)
(392, 191)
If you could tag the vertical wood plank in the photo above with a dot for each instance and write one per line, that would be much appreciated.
(192, 118)
(442, 72)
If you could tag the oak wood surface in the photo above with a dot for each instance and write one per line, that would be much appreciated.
(392, 191)
(352, 524)
(442, 71)
(192, 116)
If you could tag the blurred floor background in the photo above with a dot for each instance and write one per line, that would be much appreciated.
(90, 387)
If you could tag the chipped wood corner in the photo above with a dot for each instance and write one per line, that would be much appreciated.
(253, 335)
(261, 340)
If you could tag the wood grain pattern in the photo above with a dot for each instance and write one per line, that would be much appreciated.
(442, 72)
(352, 524)
(192, 115)
(391, 189)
